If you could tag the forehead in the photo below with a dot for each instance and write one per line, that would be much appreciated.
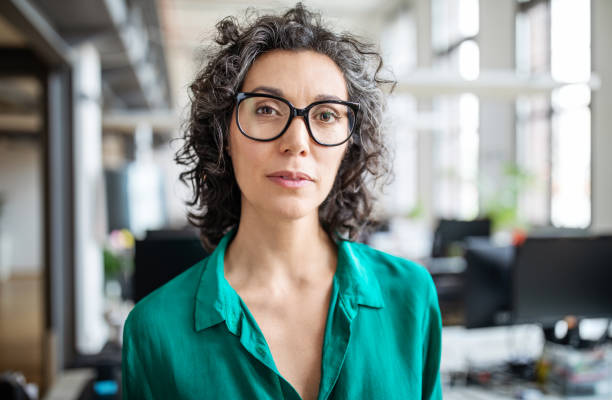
(300, 75)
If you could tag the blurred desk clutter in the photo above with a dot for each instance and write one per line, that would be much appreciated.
(553, 279)
(574, 371)
(515, 362)
(518, 308)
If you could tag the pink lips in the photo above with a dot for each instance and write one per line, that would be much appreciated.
(290, 179)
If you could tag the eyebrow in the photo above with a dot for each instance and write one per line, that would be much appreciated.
(271, 90)
(277, 92)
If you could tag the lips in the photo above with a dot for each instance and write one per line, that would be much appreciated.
(290, 179)
(291, 175)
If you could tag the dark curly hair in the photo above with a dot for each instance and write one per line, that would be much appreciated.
(346, 212)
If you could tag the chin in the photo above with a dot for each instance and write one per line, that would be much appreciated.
(292, 209)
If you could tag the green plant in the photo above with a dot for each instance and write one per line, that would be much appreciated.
(112, 264)
(416, 212)
(119, 254)
(501, 203)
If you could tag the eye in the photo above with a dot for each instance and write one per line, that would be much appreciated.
(327, 116)
(265, 110)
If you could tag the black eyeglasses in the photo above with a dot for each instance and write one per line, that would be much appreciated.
(265, 117)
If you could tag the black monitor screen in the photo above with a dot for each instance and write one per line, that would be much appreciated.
(556, 277)
(450, 231)
(488, 278)
(161, 257)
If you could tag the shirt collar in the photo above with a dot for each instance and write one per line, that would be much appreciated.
(217, 301)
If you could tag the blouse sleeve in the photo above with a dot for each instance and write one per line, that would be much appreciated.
(432, 346)
(134, 382)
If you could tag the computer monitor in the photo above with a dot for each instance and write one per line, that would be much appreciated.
(161, 256)
(451, 231)
(488, 283)
(557, 277)
(117, 200)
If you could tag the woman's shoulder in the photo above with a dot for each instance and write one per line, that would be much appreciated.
(168, 303)
(407, 287)
(389, 266)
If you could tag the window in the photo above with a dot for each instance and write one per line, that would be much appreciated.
(455, 26)
(553, 132)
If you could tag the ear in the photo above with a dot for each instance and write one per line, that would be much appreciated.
(227, 148)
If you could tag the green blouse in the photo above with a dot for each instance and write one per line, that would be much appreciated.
(194, 338)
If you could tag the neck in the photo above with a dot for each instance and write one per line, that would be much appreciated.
(279, 254)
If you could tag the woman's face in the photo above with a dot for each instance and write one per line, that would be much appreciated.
(301, 77)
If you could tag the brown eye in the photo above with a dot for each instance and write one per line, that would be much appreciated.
(327, 116)
(265, 110)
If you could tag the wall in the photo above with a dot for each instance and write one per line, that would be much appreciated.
(21, 219)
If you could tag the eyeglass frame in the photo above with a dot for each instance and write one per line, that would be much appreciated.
(296, 112)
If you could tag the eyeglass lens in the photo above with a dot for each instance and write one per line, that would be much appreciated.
(265, 118)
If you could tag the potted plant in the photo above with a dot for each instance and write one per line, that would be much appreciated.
(119, 259)
(501, 204)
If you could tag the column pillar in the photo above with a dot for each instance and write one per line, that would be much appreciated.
(425, 138)
(601, 163)
(90, 218)
(496, 40)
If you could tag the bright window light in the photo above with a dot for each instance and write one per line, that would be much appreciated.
(571, 129)
(570, 47)
(469, 60)
(468, 18)
(571, 191)
(571, 96)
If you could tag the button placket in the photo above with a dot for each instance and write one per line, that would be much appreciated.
(252, 340)
(261, 349)
(335, 351)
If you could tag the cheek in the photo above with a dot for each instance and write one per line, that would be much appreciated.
(330, 166)
(245, 160)
(249, 160)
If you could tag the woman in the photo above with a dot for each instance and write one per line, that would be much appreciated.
(285, 126)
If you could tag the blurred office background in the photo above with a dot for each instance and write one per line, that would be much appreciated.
(501, 128)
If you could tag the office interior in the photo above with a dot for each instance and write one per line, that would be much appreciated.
(500, 125)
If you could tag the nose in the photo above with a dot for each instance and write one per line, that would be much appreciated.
(296, 139)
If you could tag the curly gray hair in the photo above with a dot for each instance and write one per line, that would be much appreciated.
(346, 212)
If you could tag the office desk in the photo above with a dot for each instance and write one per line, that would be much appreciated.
(463, 348)
(475, 393)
